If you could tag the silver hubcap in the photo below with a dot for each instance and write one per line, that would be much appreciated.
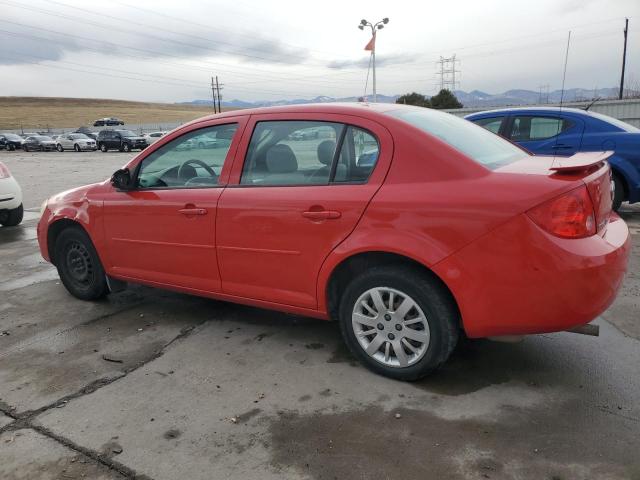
(390, 327)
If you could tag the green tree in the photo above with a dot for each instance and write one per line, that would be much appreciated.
(414, 98)
(445, 99)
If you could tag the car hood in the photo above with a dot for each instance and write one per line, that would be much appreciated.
(70, 196)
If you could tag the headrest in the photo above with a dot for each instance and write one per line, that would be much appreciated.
(325, 151)
(281, 159)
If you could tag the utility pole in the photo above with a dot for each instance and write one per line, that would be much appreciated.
(372, 47)
(219, 96)
(624, 57)
(543, 98)
(213, 95)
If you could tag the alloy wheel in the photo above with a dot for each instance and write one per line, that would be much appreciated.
(390, 327)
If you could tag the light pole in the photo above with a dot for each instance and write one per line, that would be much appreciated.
(372, 46)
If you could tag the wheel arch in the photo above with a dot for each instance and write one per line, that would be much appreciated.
(359, 262)
(55, 229)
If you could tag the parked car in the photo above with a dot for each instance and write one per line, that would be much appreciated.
(123, 140)
(108, 122)
(563, 132)
(75, 141)
(39, 142)
(11, 210)
(10, 141)
(450, 230)
(153, 136)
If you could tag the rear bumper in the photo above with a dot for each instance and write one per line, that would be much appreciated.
(520, 280)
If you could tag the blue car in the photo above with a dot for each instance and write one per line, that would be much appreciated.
(563, 132)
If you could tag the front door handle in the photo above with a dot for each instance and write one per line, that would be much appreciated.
(561, 146)
(193, 211)
(321, 214)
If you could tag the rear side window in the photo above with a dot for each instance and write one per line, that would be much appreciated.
(528, 128)
(308, 153)
(358, 156)
(492, 123)
(479, 144)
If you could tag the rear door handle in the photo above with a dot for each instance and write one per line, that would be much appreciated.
(321, 214)
(193, 211)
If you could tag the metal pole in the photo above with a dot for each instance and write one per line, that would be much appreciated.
(218, 91)
(373, 54)
(624, 57)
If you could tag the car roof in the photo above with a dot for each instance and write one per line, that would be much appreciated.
(346, 108)
(576, 111)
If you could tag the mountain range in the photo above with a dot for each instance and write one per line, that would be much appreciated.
(474, 98)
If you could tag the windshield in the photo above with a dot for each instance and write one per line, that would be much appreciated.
(624, 126)
(477, 143)
(127, 133)
(12, 137)
(42, 138)
(76, 136)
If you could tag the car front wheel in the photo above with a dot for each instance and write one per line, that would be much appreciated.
(13, 217)
(76, 147)
(126, 147)
(59, 148)
(79, 266)
(399, 322)
(103, 147)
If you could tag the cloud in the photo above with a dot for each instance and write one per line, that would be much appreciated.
(386, 60)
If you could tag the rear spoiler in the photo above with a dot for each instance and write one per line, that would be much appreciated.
(580, 161)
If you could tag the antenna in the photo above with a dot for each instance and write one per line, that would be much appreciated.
(564, 76)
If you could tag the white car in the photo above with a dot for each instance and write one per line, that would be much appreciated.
(10, 199)
(154, 136)
(75, 141)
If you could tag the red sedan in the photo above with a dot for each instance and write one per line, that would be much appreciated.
(407, 225)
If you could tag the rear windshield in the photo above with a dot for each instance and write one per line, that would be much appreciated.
(624, 126)
(42, 138)
(474, 141)
(76, 136)
(126, 133)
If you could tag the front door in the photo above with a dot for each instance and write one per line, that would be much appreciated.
(300, 191)
(163, 231)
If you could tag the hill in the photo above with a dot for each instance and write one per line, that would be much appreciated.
(43, 112)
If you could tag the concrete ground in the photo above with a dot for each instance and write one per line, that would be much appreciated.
(153, 384)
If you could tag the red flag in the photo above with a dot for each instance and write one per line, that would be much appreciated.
(372, 44)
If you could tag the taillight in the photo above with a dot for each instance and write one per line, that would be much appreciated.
(4, 171)
(571, 215)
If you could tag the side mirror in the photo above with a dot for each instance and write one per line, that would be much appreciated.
(121, 179)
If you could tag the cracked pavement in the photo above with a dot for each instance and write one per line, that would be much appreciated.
(151, 384)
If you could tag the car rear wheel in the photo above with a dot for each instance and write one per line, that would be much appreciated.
(126, 147)
(59, 148)
(13, 217)
(11, 147)
(103, 147)
(79, 266)
(399, 322)
(619, 193)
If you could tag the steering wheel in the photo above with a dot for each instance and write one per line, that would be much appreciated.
(183, 168)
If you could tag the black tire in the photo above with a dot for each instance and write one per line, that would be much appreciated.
(126, 147)
(432, 298)
(76, 147)
(79, 266)
(25, 148)
(11, 147)
(103, 148)
(12, 217)
(59, 148)
(619, 195)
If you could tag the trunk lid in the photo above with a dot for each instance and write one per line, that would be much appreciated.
(589, 167)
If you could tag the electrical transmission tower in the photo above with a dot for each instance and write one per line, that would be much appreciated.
(543, 93)
(447, 72)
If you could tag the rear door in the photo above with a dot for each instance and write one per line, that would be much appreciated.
(546, 134)
(297, 189)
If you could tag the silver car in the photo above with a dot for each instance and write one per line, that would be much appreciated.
(75, 141)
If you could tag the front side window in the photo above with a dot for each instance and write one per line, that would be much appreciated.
(492, 123)
(526, 128)
(291, 153)
(187, 161)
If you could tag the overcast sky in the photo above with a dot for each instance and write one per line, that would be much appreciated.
(167, 50)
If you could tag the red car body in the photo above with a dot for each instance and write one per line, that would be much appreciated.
(425, 202)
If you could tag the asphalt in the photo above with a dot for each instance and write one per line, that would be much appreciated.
(154, 384)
